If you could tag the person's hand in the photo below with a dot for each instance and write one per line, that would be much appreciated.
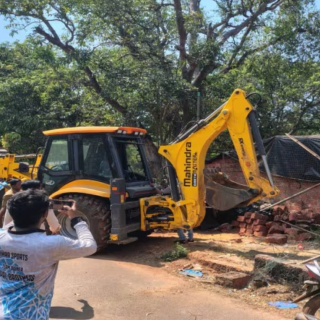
(56, 232)
(71, 212)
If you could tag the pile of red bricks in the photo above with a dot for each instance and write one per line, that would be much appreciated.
(252, 223)
(272, 227)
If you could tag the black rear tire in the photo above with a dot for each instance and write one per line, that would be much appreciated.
(312, 306)
(95, 211)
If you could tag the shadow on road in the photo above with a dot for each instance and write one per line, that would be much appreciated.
(148, 251)
(70, 313)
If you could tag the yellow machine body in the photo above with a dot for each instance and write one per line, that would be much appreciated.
(185, 156)
(188, 159)
(9, 167)
(84, 186)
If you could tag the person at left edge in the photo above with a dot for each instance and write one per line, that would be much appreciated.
(15, 187)
(52, 221)
(29, 259)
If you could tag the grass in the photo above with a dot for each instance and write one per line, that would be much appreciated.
(178, 252)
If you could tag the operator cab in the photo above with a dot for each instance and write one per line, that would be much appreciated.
(99, 154)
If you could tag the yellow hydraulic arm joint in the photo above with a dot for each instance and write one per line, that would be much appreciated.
(187, 157)
(9, 167)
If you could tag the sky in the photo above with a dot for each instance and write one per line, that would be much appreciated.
(5, 33)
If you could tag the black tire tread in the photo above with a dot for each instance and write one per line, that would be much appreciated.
(94, 208)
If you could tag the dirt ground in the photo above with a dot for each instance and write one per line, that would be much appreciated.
(108, 286)
(226, 249)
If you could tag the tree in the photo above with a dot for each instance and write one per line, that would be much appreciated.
(39, 91)
(291, 94)
(146, 59)
(173, 37)
(289, 90)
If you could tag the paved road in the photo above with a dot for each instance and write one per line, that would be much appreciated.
(103, 288)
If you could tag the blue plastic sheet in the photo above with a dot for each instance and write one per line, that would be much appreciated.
(283, 304)
(191, 273)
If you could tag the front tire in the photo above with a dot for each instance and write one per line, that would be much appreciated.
(95, 211)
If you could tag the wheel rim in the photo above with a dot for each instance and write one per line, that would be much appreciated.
(66, 229)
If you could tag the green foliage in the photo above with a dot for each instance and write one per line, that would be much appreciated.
(178, 252)
(11, 141)
(39, 90)
(289, 90)
(142, 62)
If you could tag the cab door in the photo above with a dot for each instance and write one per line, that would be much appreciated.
(57, 165)
(95, 159)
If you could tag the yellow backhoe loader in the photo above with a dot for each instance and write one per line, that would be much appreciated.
(106, 171)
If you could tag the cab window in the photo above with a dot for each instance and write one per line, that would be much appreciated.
(58, 158)
(95, 159)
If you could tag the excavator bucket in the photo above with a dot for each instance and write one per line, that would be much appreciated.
(223, 194)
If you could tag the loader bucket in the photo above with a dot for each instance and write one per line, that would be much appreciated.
(223, 194)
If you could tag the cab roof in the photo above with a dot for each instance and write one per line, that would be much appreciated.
(71, 130)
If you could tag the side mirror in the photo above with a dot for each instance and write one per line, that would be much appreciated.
(23, 167)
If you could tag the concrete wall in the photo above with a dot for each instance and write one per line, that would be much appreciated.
(286, 186)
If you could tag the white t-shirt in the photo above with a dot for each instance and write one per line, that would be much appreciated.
(51, 219)
(28, 267)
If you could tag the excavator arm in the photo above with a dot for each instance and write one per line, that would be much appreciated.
(192, 186)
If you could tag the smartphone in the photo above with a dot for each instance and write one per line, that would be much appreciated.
(59, 204)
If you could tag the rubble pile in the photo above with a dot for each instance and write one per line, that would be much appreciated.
(272, 226)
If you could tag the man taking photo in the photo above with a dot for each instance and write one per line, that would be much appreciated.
(29, 259)
(52, 221)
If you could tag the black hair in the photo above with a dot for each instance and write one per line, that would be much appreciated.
(13, 182)
(30, 184)
(27, 207)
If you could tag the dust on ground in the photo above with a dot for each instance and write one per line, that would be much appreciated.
(227, 249)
